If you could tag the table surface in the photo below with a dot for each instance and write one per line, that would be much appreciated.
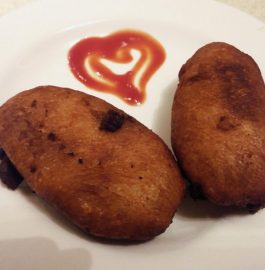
(254, 7)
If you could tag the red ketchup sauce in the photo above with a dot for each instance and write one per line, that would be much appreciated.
(85, 63)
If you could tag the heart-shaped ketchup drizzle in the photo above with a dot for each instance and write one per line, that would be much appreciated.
(85, 63)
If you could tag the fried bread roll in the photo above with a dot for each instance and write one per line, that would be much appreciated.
(102, 169)
(218, 126)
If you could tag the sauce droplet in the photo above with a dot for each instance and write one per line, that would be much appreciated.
(85, 61)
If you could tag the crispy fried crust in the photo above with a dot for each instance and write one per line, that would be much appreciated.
(218, 125)
(106, 172)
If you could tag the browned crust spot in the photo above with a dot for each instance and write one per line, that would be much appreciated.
(33, 168)
(51, 136)
(34, 103)
(225, 124)
(112, 121)
(239, 93)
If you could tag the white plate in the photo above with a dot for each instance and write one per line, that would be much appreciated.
(33, 49)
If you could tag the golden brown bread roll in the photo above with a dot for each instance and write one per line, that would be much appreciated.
(106, 172)
(218, 126)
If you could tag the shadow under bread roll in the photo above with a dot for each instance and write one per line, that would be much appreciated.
(101, 168)
(218, 126)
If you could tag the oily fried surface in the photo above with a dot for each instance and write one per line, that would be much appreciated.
(105, 171)
(218, 125)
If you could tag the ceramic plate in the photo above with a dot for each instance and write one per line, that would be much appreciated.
(35, 41)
